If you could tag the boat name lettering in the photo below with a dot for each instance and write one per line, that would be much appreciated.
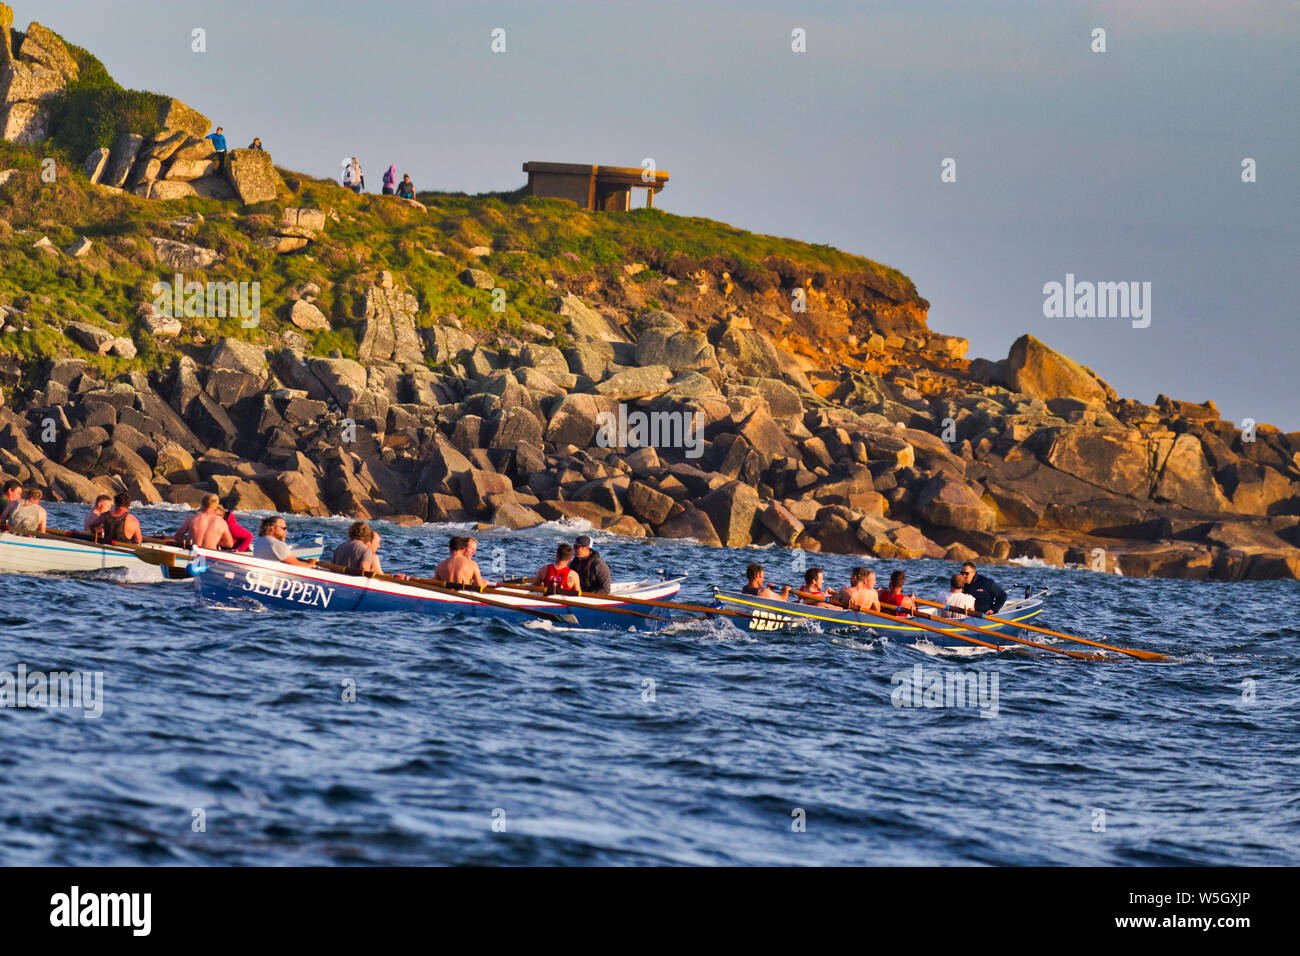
(299, 592)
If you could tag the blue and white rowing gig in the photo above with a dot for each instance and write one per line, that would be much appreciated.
(241, 580)
(21, 554)
(773, 614)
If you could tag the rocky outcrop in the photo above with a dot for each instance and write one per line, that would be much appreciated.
(253, 176)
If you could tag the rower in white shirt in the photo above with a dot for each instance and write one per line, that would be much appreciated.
(958, 602)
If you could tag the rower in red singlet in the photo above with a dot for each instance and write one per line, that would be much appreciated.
(558, 577)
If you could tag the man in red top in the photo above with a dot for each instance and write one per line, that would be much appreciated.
(814, 588)
(242, 537)
(905, 604)
(559, 578)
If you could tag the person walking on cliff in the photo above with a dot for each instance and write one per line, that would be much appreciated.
(219, 144)
(390, 180)
(406, 189)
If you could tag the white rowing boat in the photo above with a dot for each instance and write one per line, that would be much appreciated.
(56, 554)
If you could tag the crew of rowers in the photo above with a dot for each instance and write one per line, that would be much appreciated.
(969, 593)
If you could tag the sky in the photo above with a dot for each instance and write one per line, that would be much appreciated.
(1115, 166)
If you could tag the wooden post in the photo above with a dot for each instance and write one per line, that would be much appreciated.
(650, 198)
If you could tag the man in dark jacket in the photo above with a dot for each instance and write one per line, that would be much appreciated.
(989, 598)
(591, 568)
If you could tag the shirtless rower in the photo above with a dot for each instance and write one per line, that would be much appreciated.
(458, 569)
(205, 528)
(860, 595)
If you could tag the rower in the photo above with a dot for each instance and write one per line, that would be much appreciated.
(459, 569)
(591, 568)
(757, 586)
(904, 604)
(957, 603)
(989, 598)
(119, 524)
(814, 588)
(860, 595)
(558, 577)
(205, 528)
(374, 549)
(103, 505)
(27, 516)
(13, 494)
(271, 546)
(242, 537)
(357, 553)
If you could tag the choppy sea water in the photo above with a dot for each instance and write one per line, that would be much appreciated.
(225, 737)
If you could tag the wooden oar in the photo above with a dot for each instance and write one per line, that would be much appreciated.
(1081, 655)
(430, 586)
(670, 605)
(163, 559)
(1140, 655)
(569, 602)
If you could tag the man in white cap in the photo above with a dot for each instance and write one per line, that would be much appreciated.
(591, 567)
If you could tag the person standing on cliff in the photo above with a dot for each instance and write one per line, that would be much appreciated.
(406, 189)
(390, 180)
(353, 177)
(989, 598)
(219, 144)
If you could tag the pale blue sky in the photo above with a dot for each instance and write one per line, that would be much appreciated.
(1116, 166)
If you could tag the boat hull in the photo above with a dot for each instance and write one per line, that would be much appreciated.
(773, 614)
(236, 579)
(21, 554)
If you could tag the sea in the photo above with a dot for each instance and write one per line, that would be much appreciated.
(245, 736)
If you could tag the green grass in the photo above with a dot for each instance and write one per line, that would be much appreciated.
(532, 240)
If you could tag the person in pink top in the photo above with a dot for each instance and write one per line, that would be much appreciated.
(242, 537)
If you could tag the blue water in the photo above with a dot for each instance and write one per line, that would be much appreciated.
(746, 749)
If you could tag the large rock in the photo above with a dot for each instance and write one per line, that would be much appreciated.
(95, 164)
(573, 421)
(187, 170)
(585, 323)
(42, 45)
(691, 523)
(237, 355)
(91, 337)
(477, 279)
(21, 81)
(253, 175)
(751, 352)
(785, 527)
(948, 503)
(6, 34)
(635, 383)
(121, 160)
(164, 146)
(24, 123)
(182, 256)
(1186, 478)
(196, 148)
(679, 351)
(1110, 459)
(389, 332)
(307, 317)
(175, 115)
(648, 504)
(1042, 372)
(213, 187)
(731, 511)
